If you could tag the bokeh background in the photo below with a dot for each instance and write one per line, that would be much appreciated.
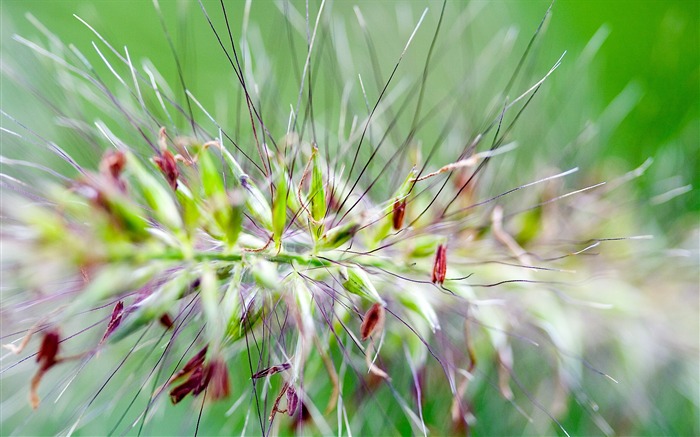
(645, 74)
(639, 93)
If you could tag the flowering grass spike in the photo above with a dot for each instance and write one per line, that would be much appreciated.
(353, 260)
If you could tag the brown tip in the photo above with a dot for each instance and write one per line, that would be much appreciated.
(373, 321)
(440, 265)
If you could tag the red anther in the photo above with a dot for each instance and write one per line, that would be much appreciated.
(194, 384)
(218, 380)
(167, 164)
(114, 320)
(197, 377)
(112, 164)
(440, 266)
(399, 211)
(373, 321)
(46, 357)
(166, 321)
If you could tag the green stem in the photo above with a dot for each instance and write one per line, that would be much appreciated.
(282, 258)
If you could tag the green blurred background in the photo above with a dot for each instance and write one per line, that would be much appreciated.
(643, 84)
(645, 79)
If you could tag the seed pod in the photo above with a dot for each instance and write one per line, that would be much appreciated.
(124, 215)
(257, 204)
(440, 265)
(373, 321)
(191, 212)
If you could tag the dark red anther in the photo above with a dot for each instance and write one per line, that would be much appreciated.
(114, 320)
(195, 361)
(372, 322)
(166, 321)
(218, 380)
(46, 357)
(197, 377)
(195, 384)
(440, 266)
(399, 210)
(167, 164)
